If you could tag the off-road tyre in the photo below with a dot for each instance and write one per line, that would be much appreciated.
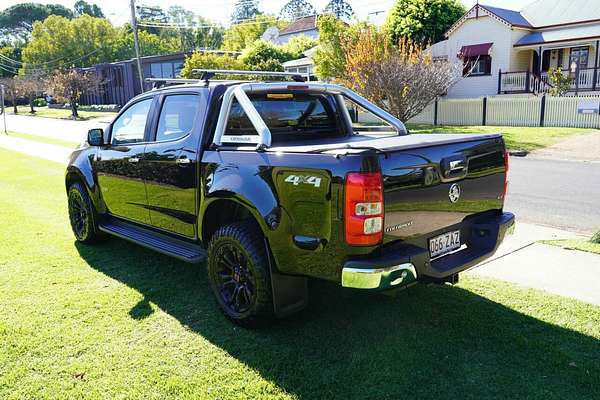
(238, 272)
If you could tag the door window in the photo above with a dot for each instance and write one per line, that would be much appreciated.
(131, 125)
(177, 117)
(580, 56)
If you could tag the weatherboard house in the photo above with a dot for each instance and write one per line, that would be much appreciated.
(510, 52)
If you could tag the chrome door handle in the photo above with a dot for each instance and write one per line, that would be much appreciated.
(183, 161)
(134, 160)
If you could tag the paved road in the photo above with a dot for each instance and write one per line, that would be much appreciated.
(563, 194)
(75, 131)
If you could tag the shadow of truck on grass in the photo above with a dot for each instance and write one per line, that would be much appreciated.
(427, 342)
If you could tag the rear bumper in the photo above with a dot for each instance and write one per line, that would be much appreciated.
(401, 264)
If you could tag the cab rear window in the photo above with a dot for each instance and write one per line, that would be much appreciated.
(289, 117)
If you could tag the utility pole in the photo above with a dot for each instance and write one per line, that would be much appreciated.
(3, 108)
(136, 44)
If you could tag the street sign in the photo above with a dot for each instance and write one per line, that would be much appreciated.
(588, 107)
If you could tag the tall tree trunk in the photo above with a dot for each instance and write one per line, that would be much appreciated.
(14, 101)
(74, 112)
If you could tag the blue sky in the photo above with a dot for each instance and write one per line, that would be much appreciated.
(220, 10)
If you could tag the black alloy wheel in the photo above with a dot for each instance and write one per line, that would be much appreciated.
(238, 272)
(82, 215)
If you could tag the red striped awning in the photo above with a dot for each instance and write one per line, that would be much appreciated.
(475, 50)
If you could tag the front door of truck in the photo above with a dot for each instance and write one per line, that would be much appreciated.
(170, 162)
(118, 164)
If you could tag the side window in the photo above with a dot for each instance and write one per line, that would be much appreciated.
(365, 122)
(131, 125)
(177, 117)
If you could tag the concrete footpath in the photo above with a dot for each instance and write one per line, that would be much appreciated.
(75, 131)
(520, 259)
(50, 152)
(524, 261)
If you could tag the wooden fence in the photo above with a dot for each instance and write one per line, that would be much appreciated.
(512, 111)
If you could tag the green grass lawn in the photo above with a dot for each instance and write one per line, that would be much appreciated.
(60, 113)
(43, 139)
(119, 321)
(516, 138)
(576, 244)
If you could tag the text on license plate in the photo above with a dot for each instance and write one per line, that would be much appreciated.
(444, 243)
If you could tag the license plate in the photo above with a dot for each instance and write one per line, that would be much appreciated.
(445, 243)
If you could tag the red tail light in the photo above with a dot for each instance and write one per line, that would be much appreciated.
(506, 165)
(363, 209)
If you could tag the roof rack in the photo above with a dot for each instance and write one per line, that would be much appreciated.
(158, 83)
(207, 74)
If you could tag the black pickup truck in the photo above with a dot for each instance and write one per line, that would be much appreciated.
(276, 182)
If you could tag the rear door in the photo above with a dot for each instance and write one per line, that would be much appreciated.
(118, 164)
(170, 162)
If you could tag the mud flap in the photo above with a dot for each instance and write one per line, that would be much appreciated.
(290, 293)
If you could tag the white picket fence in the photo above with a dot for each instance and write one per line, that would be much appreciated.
(510, 111)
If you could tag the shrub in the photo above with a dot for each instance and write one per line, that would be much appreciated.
(209, 61)
(39, 102)
(402, 79)
(596, 238)
(261, 54)
(560, 82)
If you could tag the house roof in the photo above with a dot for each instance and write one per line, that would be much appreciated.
(510, 16)
(300, 25)
(301, 62)
(542, 13)
(563, 34)
(539, 14)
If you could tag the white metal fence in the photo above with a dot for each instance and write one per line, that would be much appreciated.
(512, 111)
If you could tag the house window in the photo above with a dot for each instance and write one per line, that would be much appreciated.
(477, 66)
(166, 69)
(580, 56)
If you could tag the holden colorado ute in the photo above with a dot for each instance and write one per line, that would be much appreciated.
(273, 183)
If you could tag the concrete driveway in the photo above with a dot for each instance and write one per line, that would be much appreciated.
(576, 148)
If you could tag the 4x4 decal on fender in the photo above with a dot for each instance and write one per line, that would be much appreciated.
(308, 179)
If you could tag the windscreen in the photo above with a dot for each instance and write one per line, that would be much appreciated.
(289, 117)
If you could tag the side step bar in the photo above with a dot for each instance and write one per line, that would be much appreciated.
(152, 240)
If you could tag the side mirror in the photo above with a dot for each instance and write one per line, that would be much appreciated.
(95, 137)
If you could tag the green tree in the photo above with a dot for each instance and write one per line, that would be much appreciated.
(200, 60)
(82, 7)
(239, 36)
(10, 58)
(296, 9)
(244, 10)
(330, 58)
(340, 8)
(152, 15)
(422, 21)
(59, 43)
(298, 45)
(265, 56)
(150, 44)
(16, 22)
(184, 33)
(208, 35)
